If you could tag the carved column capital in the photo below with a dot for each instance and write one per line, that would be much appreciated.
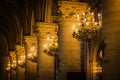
(20, 50)
(45, 29)
(20, 55)
(12, 55)
(31, 47)
(30, 40)
(67, 10)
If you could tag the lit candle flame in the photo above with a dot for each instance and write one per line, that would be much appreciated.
(45, 45)
(73, 27)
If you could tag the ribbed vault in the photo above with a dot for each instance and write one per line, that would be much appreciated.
(15, 21)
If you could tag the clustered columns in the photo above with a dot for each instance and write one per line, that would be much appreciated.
(31, 57)
(45, 62)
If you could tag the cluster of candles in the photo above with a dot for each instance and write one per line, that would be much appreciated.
(19, 59)
(51, 46)
(88, 26)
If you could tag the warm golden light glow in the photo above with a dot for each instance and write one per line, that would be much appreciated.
(73, 27)
(88, 27)
(51, 46)
(32, 54)
(12, 61)
(21, 60)
(45, 46)
(8, 66)
(98, 70)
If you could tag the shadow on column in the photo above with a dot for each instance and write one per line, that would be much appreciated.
(76, 76)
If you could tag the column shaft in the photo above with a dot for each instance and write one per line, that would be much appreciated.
(69, 48)
(20, 51)
(111, 31)
(31, 54)
(69, 51)
(45, 62)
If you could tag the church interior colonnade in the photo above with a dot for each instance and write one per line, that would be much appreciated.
(26, 26)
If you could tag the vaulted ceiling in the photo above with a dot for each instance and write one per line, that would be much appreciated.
(15, 21)
(16, 17)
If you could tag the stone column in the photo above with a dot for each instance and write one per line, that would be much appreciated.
(69, 51)
(20, 71)
(31, 66)
(69, 48)
(48, 11)
(3, 65)
(12, 56)
(111, 32)
(45, 62)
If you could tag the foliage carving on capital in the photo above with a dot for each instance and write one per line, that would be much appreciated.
(46, 29)
(12, 54)
(20, 49)
(30, 40)
(66, 9)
